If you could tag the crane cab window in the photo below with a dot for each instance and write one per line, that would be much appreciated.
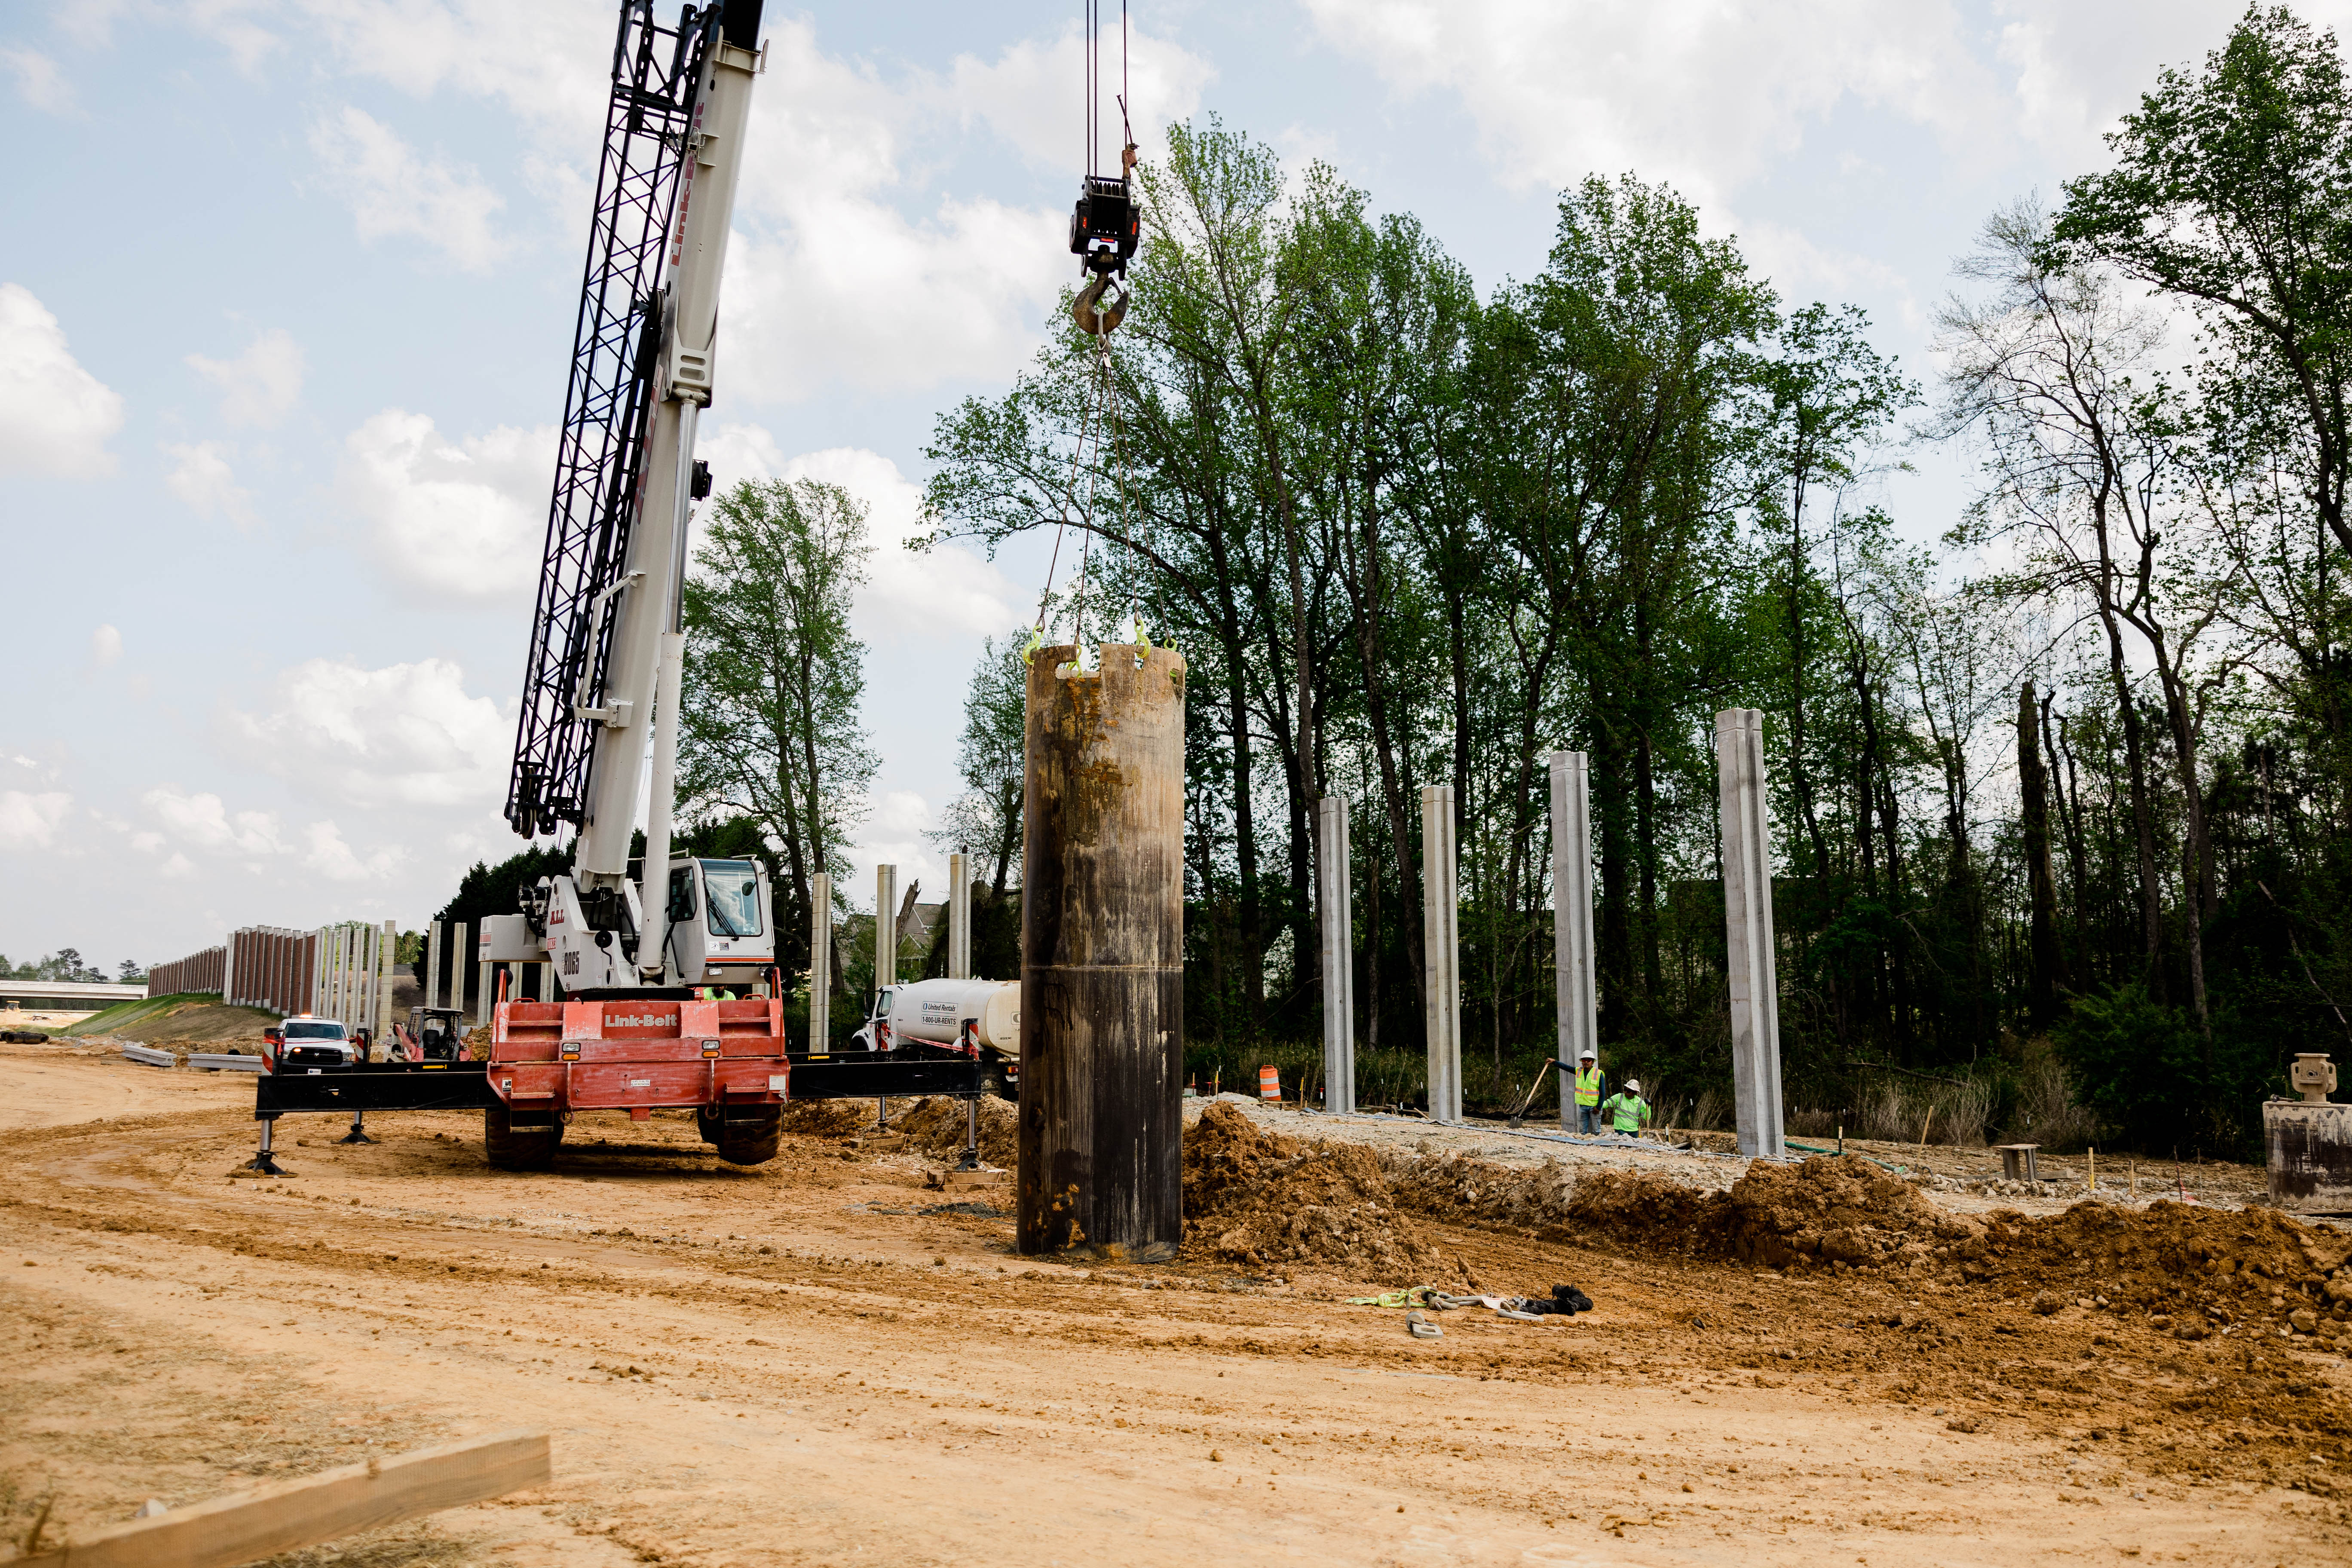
(733, 890)
(681, 895)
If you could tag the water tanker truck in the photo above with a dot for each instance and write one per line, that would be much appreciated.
(976, 1018)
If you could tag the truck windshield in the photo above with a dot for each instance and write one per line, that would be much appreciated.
(313, 1029)
(733, 887)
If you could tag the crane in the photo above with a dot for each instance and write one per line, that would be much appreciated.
(606, 649)
(637, 1027)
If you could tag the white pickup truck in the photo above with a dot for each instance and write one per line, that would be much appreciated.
(307, 1044)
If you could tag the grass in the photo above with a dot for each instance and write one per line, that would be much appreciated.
(145, 1018)
(135, 1010)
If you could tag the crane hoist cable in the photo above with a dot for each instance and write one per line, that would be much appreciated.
(1105, 229)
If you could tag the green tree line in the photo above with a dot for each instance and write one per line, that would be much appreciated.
(2061, 838)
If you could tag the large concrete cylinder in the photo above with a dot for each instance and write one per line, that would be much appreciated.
(1102, 954)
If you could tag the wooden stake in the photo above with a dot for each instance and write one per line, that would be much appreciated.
(280, 1518)
(1102, 953)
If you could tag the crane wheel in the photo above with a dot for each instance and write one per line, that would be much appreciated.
(520, 1140)
(747, 1139)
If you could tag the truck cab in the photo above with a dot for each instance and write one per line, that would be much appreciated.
(307, 1044)
(720, 934)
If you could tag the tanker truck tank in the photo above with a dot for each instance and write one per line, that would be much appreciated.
(934, 1012)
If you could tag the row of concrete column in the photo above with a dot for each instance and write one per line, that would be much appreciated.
(1747, 919)
(885, 936)
(351, 976)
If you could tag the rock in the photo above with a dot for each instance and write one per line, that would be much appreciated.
(2303, 1321)
(2161, 1323)
(2046, 1303)
(2190, 1329)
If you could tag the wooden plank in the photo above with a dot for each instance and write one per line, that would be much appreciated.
(278, 1517)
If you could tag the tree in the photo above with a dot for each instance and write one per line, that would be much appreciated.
(2087, 458)
(2228, 193)
(769, 727)
(992, 758)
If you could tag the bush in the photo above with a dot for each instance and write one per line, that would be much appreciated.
(2140, 1065)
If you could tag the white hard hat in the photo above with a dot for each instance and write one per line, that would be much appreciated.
(1587, 1056)
(1633, 1084)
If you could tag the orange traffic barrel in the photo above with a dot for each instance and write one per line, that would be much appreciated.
(1269, 1084)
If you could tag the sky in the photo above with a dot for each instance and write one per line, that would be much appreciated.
(287, 290)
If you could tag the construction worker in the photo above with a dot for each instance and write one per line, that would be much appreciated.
(1627, 1110)
(1588, 1085)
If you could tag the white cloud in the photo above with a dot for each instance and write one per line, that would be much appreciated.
(462, 519)
(1024, 94)
(201, 821)
(392, 191)
(105, 647)
(946, 591)
(2077, 69)
(177, 869)
(55, 416)
(829, 283)
(1692, 91)
(325, 852)
(29, 821)
(38, 80)
(405, 735)
(203, 480)
(893, 835)
(261, 385)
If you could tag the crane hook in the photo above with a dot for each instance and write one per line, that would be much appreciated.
(1094, 318)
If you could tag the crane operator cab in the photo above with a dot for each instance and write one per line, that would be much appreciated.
(719, 933)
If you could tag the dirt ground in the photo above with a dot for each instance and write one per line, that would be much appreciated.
(820, 1361)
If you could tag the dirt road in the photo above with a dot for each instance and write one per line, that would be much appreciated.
(799, 1364)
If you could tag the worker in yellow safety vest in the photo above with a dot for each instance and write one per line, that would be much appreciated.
(1627, 1110)
(1587, 1094)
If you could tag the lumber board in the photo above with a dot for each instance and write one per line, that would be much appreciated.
(248, 1526)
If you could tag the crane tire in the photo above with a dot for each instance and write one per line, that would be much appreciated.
(519, 1142)
(750, 1140)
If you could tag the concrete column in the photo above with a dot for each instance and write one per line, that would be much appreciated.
(318, 970)
(1441, 952)
(485, 1000)
(820, 963)
(959, 916)
(1747, 930)
(433, 964)
(1102, 954)
(231, 993)
(886, 927)
(388, 966)
(1574, 997)
(1334, 893)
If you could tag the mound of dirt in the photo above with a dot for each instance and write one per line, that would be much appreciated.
(1259, 1199)
(827, 1118)
(939, 1126)
(2198, 1266)
(1838, 1209)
